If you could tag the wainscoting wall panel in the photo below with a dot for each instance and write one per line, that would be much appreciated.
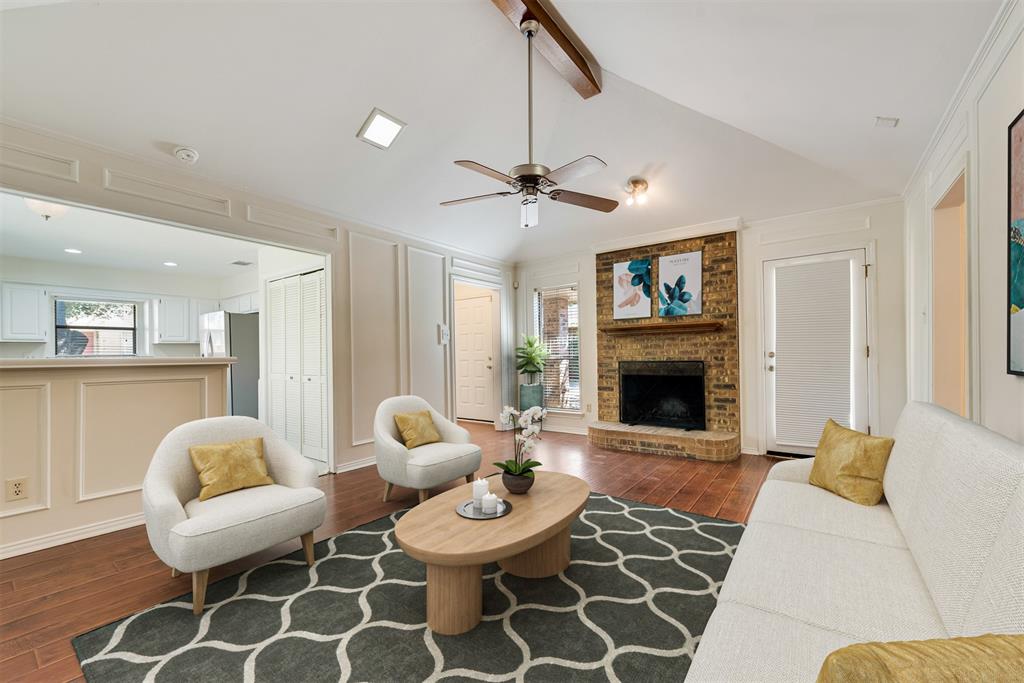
(25, 445)
(83, 438)
(375, 329)
(34, 161)
(109, 464)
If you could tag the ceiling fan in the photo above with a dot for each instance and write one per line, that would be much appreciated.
(532, 180)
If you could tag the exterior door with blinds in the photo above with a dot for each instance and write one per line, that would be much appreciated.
(557, 322)
(815, 347)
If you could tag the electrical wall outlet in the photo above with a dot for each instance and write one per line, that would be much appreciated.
(17, 489)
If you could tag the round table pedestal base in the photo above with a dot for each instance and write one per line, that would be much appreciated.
(547, 559)
(454, 598)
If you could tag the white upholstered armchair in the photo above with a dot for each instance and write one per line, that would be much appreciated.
(192, 535)
(423, 467)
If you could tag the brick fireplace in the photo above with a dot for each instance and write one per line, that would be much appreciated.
(655, 348)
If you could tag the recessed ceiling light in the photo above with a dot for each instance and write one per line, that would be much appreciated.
(170, 264)
(887, 121)
(380, 129)
(73, 251)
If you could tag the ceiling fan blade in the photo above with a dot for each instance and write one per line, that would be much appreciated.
(587, 201)
(583, 166)
(480, 168)
(466, 200)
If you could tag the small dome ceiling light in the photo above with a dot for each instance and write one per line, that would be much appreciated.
(47, 210)
(637, 190)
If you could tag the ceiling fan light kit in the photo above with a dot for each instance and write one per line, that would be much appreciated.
(531, 180)
(636, 188)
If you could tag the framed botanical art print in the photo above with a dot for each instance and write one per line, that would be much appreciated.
(631, 283)
(1015, 248)
(679, 284)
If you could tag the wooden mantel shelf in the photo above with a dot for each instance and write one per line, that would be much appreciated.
(681, 327)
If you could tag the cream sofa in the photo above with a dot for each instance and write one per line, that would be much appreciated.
(942, 555)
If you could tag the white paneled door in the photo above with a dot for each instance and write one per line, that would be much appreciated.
(816, 350)
(475, 358)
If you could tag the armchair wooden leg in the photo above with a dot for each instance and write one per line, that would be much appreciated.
(469, 478)
(307, 547)
(424, 494)
(175, 573)
(387, 490)
(199, 580)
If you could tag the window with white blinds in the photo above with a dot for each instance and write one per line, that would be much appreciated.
(557, 323)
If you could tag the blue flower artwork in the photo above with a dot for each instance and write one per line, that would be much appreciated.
(679, 278)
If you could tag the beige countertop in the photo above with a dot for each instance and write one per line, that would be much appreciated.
(109, 362)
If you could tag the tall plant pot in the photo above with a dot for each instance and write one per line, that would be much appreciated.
(516, 483)
(531, 395)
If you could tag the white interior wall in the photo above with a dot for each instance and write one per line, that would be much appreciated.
(245, 282)
(972, 139)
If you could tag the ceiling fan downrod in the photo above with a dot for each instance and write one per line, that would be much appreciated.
(529, 28)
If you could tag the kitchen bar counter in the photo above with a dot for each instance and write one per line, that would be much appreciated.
(108, 362)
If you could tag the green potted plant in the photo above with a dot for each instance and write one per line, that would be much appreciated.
(517, 473)
(530, 358)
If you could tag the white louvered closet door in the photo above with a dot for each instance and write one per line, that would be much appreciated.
(293, 363)
(314, 366)
(277, 343)
(815, 347)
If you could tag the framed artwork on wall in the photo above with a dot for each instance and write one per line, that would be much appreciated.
(631, 281)
(679, 284)
(1015, 248)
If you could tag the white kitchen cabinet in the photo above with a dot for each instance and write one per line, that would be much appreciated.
(172, 320)
(243, 303)
(298, 362)
(24, 313)
(198, 307)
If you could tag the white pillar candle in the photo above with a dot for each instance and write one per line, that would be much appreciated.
(480, 489)
(490, 504)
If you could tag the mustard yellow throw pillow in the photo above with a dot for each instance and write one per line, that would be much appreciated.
(227, 467)
(981, 659)
(417, 429)
(851, 464)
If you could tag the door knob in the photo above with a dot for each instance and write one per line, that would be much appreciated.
(771, 368)
(488, 367)
(771, 354)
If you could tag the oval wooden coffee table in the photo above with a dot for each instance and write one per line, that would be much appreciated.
(533, 541)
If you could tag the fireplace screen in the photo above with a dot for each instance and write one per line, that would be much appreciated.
(662, 393)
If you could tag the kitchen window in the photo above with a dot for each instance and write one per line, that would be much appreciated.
(557, 323)
(95, 328)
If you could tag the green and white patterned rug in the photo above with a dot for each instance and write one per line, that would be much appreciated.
(631, 607)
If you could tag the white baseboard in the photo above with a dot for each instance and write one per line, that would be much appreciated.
(70, 535)
(355, 464)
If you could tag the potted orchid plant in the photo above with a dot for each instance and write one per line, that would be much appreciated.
(517, 473)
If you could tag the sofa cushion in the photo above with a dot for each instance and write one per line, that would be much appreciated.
(809, 507)
(961, 526)
(243, 522)
(439, 462)
(916, 430)
(850, 464)
(743, 643)
(797, 470)
(863, 590)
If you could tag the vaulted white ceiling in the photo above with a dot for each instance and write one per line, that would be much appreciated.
(752, 109)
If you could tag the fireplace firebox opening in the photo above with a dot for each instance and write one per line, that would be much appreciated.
(666, 393)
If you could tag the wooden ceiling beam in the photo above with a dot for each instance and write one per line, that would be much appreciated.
(557, 43)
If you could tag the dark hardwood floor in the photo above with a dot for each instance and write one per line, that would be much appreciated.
(48, 597)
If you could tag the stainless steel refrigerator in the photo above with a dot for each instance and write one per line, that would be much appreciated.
(235, 334)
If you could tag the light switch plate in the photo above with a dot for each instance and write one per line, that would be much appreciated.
(444, 335)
